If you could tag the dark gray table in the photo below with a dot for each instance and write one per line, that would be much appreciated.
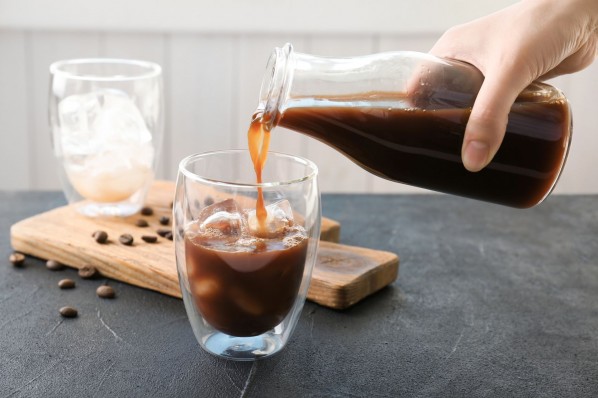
(490, 301)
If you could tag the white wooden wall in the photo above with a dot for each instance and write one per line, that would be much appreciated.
(213, 75)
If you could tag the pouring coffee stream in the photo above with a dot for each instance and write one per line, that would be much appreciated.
(258, 138)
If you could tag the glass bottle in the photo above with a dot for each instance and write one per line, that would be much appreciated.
(402, 116)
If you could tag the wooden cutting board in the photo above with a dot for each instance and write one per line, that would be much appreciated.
(343, 275)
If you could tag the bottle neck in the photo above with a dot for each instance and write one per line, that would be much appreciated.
(276, 85)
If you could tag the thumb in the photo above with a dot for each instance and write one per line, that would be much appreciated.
(488, 120)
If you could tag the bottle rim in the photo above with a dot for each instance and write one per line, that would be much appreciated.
(276, 84)
(128, 69)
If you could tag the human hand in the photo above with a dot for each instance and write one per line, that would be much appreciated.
(530, 40)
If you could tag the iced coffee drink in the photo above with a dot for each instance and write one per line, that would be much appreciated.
(244, 281)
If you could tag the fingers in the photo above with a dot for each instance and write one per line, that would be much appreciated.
(512, 47)
(488, 120)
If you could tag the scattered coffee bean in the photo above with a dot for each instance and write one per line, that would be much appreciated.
(126, 239)
(147, 211)
(105, 291)
(197, 204)
(164, 220)
(17, 259)
(54, 265)
(163, 232)
(208, 201)
(66, 284)
(142, 223)
(100, 236)
(149, 238)
(88, 272)
(68, 312)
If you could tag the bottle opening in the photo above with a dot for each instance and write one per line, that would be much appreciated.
(275, 85)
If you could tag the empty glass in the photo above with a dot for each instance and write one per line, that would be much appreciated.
(244, 283)
(106, 117)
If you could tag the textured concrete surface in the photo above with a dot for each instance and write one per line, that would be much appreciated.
(490, 301)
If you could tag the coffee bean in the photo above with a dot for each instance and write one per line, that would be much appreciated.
(141, 223)
(100, 236)
(54, 265)
(197, 204)
(68, 312)
(66, 284)
(17, 259)
(163, 232)
(164, 220)
(150, 238)
(105, 291)
(208, 201)
(126, 239)
(169, 235)
(147, 211)
(88, 272)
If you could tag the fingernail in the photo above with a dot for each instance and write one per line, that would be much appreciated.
(475, 155)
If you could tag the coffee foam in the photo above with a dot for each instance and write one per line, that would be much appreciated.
(245, 242)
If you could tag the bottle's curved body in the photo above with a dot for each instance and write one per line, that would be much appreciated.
(402, 116)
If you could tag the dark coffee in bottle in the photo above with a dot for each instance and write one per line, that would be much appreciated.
(422, 147)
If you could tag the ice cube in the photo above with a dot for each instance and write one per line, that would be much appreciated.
(246, 302)
(205, 288)
(119, 122)
(279, 217)
(75, 114)
(103, 120)
(107, 148)
(224, 218)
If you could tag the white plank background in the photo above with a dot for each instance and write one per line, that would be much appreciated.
(213, 72)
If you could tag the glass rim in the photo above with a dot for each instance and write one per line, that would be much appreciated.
(152, 69)
(198, 178)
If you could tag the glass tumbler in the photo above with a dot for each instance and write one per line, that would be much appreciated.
(106, 118)
(244, 280)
